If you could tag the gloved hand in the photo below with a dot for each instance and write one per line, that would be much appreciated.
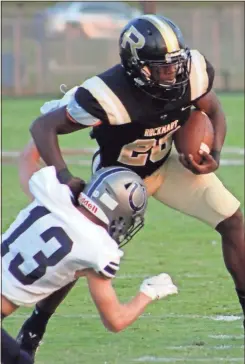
(75, 184)
(158, 286)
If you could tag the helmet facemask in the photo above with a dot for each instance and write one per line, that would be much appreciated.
(164, 79)
(122, 232)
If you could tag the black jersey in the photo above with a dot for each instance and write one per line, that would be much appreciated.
(136, 129)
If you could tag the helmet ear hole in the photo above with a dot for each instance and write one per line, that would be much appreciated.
(127, 185)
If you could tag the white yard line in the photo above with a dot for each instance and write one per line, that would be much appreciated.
(206, 347)
(229, 318)
(227, 337)
(233, 150)
(82, 162)
(154, 359)
(223, 162)
(15, 153)
(231, 162)
(10, 155)
(145, 275)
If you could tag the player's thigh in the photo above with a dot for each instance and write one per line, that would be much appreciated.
(201, 196)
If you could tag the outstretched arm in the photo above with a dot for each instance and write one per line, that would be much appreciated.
(114, 315)
(117, 316)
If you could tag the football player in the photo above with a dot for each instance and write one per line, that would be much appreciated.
(46, 248)
(134, 108)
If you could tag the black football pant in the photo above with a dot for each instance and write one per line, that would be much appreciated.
(11, 352)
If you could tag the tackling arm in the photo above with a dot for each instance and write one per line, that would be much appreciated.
(117, 316)
(114, 315)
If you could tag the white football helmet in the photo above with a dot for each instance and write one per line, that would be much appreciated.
(118, 197)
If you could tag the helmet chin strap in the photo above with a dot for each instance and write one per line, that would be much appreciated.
(155, 96)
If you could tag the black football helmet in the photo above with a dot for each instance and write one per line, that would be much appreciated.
(154, 55)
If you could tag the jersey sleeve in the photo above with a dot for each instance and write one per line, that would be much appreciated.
(49, 192)
(75, 112)
(96, 98)
(108, 258)
(201, 76)
(110, 270)
(84, 109)
(55, 104)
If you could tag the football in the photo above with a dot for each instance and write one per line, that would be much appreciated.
(196, 134)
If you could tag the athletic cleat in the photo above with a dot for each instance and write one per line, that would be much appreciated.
(28, 341)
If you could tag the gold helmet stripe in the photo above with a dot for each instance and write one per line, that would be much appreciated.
(166, 31)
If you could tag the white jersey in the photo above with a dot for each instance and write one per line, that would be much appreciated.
(49, 241)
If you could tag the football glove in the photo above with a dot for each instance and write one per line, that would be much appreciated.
(158, 286)
(75, 184)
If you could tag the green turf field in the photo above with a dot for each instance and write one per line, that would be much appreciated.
(192, 327)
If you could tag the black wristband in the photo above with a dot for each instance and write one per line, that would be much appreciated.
(64, 175)
(215, 154)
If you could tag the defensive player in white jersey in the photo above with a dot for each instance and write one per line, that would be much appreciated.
(134, 108)
(52, 243)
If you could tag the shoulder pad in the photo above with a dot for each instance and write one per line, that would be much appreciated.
(108, 101)
(55, 104)
(201, 76)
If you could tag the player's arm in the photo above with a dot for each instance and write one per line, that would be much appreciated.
(114, 315)
(117, 316)
(81, 111)
(64, 120)
(29, 163)
(45, 130)
(210, 104)
(205, 99)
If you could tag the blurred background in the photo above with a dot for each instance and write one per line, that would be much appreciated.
(45, 44)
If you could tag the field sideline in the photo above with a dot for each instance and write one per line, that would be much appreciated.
(202, 324)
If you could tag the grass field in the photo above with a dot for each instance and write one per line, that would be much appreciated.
(200, 325)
